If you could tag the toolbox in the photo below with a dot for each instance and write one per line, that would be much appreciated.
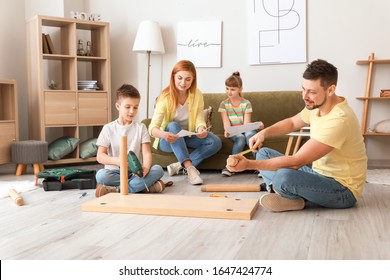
(67, 178)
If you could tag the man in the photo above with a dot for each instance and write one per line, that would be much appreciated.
(335, 149)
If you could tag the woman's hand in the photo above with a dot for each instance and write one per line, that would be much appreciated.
(170, 137)
(202, 132)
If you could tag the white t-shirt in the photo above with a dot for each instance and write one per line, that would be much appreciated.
(109, 137)
(181, 115)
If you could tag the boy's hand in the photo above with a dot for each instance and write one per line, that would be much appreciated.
(226, 134)
(145, 170)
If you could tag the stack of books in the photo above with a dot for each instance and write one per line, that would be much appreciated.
(47, 44)
(87, 85)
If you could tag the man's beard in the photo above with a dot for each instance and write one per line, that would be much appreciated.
(319, 105)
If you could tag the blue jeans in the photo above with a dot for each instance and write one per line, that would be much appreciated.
(306, 183)
(240, 140)
(111, 177)
(203, 147)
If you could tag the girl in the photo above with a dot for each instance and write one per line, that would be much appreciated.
(235, 110)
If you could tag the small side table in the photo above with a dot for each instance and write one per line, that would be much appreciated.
(303, 132)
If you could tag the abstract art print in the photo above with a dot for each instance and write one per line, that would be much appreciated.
(276, 31)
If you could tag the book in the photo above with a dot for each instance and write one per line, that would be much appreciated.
(45, 46)
(50, 44)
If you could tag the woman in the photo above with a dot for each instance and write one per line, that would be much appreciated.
(180, 106)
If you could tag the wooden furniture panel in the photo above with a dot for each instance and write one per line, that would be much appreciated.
(64, 104)
(60, 108)
(93, 108)
(9, 127)
(174, 205)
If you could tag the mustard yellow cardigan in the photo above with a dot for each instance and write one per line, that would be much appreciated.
(163, 115)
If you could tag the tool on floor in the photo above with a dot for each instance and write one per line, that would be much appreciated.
(233, 162)
(15, 197)
(135, 166)
(83, 194)
(218, 195)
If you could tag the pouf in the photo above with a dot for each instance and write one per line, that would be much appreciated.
(29, 152)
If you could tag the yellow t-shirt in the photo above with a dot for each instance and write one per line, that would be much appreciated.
(340, 129)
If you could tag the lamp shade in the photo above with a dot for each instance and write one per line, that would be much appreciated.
(148, 38)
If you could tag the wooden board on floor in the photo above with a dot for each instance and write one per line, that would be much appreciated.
(231, 188)
(174, 205)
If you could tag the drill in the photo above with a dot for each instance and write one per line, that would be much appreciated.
(135, 166)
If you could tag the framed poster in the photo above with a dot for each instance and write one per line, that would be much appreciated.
(277, 31)
(200, 42)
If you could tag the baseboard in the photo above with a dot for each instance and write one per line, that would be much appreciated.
(378, 164)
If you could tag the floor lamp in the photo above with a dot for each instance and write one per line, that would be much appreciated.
(149, 40)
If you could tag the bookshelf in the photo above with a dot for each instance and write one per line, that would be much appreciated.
(57, 106)
(369, 100)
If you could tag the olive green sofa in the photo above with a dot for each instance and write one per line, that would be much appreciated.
(268, 107)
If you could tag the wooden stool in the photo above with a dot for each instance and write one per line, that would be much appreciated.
(29, 152)
(299, 135)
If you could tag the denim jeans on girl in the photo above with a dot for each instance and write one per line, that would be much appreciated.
(306, 183)
(111, 177)
(240, 140)
(203, 147)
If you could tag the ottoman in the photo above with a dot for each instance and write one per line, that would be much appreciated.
(29, 152)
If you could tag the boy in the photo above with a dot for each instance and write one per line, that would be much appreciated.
(138, 141)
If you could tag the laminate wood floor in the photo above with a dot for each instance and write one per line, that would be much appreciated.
(51, 225)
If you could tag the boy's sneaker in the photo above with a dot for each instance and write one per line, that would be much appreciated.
(226, 172)
(174, 168)
(193, 175)
(157, 187)
(102, 190)
(276, 203)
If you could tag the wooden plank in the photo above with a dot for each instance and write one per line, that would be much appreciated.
(174, 205)
(231, 188)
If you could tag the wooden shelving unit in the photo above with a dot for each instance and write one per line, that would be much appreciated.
(66, 110)
(9, 126)
(368, 98)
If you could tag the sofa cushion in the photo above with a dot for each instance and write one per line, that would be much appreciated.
(61, 147)
(208, 112)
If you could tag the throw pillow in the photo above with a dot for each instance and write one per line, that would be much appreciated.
(383, 126)
(61, 147)
(207, 117)
(88, 148)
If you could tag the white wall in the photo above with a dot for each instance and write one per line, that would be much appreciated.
(338, 31)
(13, 54)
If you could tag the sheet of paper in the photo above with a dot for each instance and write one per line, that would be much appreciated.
(183, 133)
(234, 130)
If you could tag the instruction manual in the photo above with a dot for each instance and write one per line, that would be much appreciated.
(237, 129)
